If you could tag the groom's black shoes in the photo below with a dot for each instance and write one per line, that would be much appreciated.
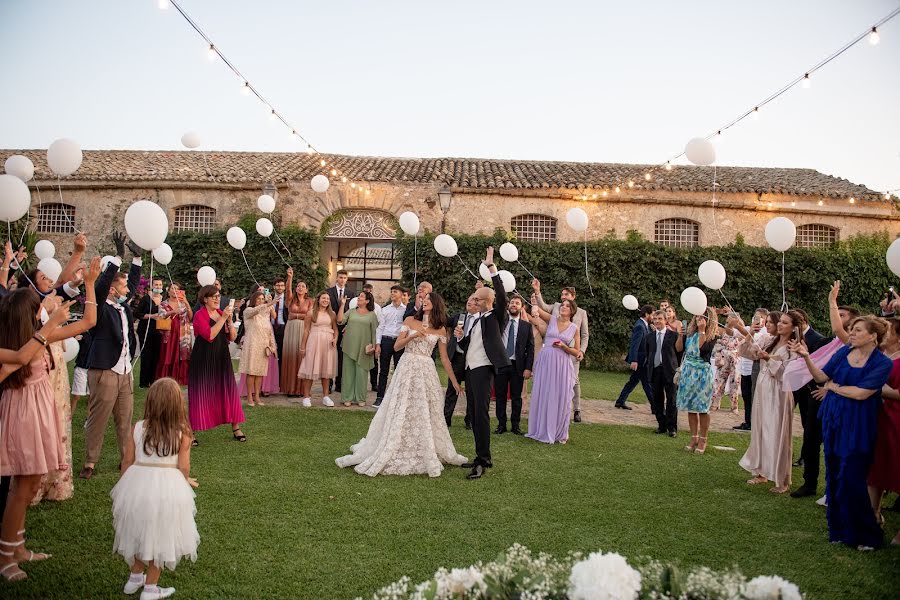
(500, 429)
(473, 464)
(476, 472)
(803, 491)
(517, 431)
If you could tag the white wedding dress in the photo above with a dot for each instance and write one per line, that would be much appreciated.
(408, 435)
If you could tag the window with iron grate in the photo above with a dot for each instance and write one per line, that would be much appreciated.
(195, 218)
(56, 218)
(677, 233)
(816, 235)
(534, 228)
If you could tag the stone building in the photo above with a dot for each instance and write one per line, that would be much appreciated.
(205, 190)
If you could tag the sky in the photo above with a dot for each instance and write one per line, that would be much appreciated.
(626, 82)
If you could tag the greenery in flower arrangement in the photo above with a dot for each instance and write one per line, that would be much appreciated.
(521, 575)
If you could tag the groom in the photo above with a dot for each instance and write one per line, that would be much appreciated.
(485, 354)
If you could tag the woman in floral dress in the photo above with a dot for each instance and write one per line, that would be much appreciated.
(175, 344)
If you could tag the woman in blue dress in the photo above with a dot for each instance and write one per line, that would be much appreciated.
(853, 379)
(695, 384)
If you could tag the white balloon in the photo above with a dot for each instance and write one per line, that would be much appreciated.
(508, 280)
(445, 246)
(105, 261)
(236, 237)
(712, 274)
(893, 257)
(15, 198)
(44, 249)
(50, 267)
(700, 151)
(147, 224)
(64, 156)
(630, 302)
(20, 166)
(781, 233)
(484, 272)
(266, 203)
(70, 352)
(190, 140)
(163, 254)
(264, 227)
(319, 183)
(409, 223)
(206, 275)
(577, 219)
(354, 302)
(509, 252)
(694, 300)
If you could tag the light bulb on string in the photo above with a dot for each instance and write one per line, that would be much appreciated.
(874, 38)
(246, 88)
(333, 172)
(852, 200)
(343, 180)
(353, 185)
(617, 189)
(647, 176)
(163, 4)
(887, 195)
(756, 113)
(322, 162)
(793, 204)
(820, 203)
(806, 82)
(211, 53)
(631, 184)
(309, 149)
(272, 115)
(605, 193)
(668, 165)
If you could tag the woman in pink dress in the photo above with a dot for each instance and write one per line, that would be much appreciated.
(318, 350)
(175, 343)
(31, 445)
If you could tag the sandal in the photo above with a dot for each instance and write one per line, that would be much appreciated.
(251, 403)
(32, 556)
(780, 490)
(239, 438)
(348, 404)
(18, 574)
(702, 450)
(693, 445)
(757, 480)
(195, 442)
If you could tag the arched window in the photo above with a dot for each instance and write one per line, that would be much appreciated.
(816, 234)
(56, 218)
(534, 228)
(678, 233)
(195, 217)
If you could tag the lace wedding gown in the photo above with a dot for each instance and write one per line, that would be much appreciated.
(408, 435)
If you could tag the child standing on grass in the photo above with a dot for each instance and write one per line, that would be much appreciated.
(153, 503)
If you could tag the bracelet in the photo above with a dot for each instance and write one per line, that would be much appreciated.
(37, 336)
(90, 302)
(4, 268)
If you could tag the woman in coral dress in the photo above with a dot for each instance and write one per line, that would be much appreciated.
(299, 307)
(57, 485)
(319, 348)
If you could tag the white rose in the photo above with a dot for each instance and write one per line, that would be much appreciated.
(604, 577)
(771, 588)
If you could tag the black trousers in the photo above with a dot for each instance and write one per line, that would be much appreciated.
(747, 395)
(279, 342)
(812, 442)
(149, 358)
(478, 386)
(508, 384)
(638, 376)
(336, 382)
(801, 399)
(450, 396)
(384, 364)
(663, 401)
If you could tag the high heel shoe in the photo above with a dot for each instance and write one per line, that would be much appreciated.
(17, 573)
(702, 450)
(693, 445)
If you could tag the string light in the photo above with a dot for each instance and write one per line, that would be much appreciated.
(211, 53)
(793, 204)
(806, 82)
(272, 117)
(617, 189)
(874, 38)
(756, 113)
(647, 176)
(333, 172)
(820, 203)
(246, 88)
(322, 162)
(668, 165)
(631, 184)
(852, 200)
(605, 193)
(343, 180)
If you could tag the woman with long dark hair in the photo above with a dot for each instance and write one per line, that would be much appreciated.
(695, 384)
(318, 350)
(409, 435)
(299, 306)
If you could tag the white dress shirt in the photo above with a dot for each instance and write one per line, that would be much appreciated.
(390, 321)
(123, 366)
(476, 356)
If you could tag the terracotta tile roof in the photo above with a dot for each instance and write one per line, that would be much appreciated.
(472, 173)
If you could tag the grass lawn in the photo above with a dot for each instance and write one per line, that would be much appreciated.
(278, 519)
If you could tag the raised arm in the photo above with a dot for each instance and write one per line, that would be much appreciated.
(289, 287)
(834, 314)
(79, 245)
(538, 298)
(89, 319)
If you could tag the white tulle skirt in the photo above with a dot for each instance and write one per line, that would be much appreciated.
(153, 516)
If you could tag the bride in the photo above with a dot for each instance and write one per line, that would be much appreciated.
(408, 435)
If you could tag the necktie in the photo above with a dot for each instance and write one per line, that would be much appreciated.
(657, 358)
(466, 325)
(511, 340)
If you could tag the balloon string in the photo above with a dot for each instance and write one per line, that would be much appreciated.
(171, 281)
(715, 221)
(249, 270)
(523, 297)
(784, 304)
(467, 268)
(283, 245)
(279, 253)
(727, 303)
(526, 270)
(415, 259)
(147, 331)
(64, 211)
(587, 275)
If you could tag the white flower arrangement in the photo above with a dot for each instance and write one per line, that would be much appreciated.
(520, 574)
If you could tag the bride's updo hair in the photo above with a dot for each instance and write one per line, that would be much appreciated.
(438, 318)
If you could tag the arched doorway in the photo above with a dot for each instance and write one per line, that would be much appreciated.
(361, 241)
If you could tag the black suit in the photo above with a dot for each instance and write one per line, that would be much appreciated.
(336, 306)
(510, 380)
(662, 378)
(637, 353)
(150, 338)
(479, 380)
(457, 358)
(106, 336)
(279, 329)
(809, 416)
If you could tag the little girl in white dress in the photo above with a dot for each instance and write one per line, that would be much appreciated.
(153, 503)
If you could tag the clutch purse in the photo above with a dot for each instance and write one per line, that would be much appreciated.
(164, 324)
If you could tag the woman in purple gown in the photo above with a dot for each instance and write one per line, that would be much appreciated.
(554, 376)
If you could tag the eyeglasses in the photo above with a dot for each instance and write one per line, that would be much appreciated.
(215, 296)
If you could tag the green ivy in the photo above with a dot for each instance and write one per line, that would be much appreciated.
(652, 272)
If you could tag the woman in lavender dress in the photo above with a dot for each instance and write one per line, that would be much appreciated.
(554, 376)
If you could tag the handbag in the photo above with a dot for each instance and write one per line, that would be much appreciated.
(164, 324)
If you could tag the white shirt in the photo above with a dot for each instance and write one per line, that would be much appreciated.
(745, 366)
(279, 310)
(476, 356)
(390, 321)
(123, 366)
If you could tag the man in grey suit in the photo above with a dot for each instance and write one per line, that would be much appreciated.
(581, 322)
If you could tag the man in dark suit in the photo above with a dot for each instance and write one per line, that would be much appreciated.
(485, 355)
(339, 294)
(662, 363)
(113, 346)
(636, 358)
(282, 299)
(802, 397)
(458, 361)
(509, 381)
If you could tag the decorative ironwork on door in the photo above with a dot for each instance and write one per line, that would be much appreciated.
(363, 224)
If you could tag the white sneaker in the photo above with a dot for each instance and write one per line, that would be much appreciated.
(326, 401)
(132, 586)
(307, 402)
(823, 501)
(154, 592)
